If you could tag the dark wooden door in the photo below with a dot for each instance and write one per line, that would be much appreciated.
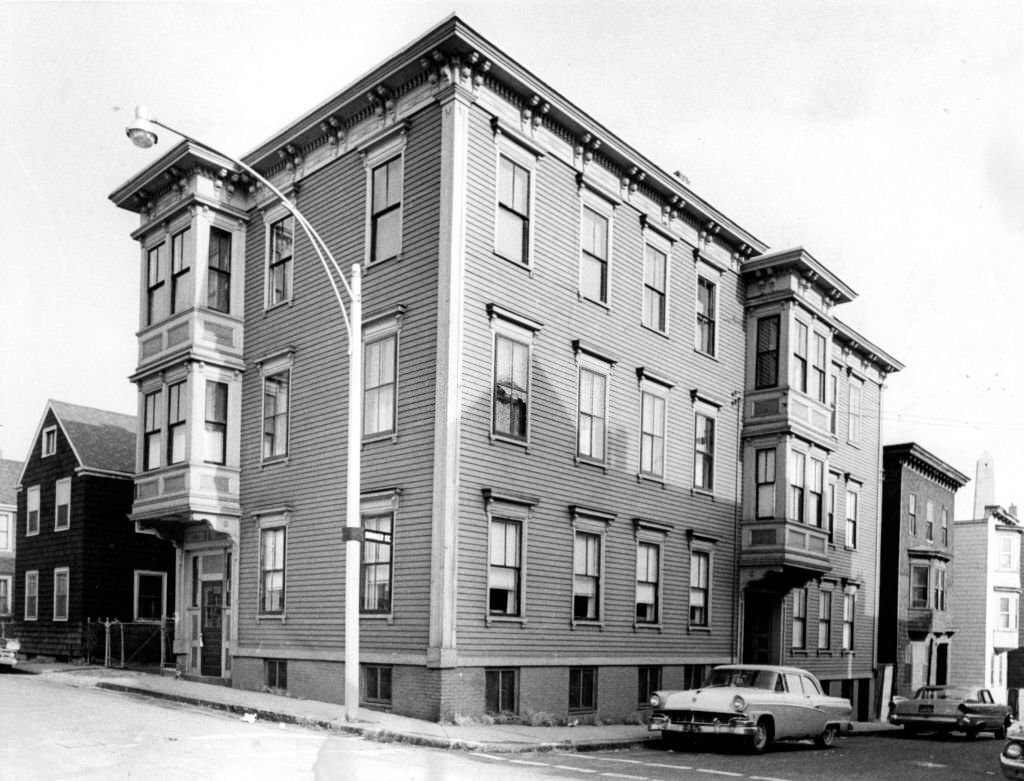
(761, 628)
(941, 664)
(212, 612)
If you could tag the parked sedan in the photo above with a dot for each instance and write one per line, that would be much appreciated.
(1011, 760)
(756, 703)
(9, 648)
(951, 709)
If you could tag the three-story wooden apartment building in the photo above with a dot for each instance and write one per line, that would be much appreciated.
(574, 367)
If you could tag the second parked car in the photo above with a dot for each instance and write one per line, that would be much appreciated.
(755, 703)
(951, 709)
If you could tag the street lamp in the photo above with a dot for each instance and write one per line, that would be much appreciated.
(143, 134)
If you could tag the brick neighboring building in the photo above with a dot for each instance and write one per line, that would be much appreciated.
(9, 472)
(79, 557)
(574, 367)
(918, 633)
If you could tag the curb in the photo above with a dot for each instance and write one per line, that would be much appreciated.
(381, 734)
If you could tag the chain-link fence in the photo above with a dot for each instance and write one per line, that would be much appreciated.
(114, 643)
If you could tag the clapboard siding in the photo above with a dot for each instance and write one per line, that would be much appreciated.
(547, 293)
(312, 480)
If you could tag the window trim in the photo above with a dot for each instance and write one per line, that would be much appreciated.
(654, 239)
(271, 367)
(799, 614)
(501, 672)
(593, 202)
(9, 580)
(507, 146)
(759, 483)
(31, 576)
(379, 329)
(212, 426)
(825, 600)
(152, 435)
(800, 355)
(591, 705)
(7, 531)
(656, 534)
(710, 320)
(32, 497)
(852, 489)
(216, 272)
(180, 390)
(916, 604)
(708, 412)
(49, 434)
(507, 325)
(183, 248)
(380, 503)
(708, 554)
(272, 523)
(379, 152)
(773, 355)
(156, 268)
(659, 390)
(855, 410)
(595, 523)
(599, 367)
(58, 488)
(271, 219)
(57, 572)
(849, 637)
(138, 574)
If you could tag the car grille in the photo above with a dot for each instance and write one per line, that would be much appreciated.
(698, 716)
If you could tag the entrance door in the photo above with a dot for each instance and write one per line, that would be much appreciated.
(761, 628)
(211, 619)
(941, 664)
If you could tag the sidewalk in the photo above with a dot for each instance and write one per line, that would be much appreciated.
(370, 724)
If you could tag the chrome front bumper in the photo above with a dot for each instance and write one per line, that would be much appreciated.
(733, 725)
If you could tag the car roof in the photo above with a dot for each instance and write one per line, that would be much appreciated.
(775, 668)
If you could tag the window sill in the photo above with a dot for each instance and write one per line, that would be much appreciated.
(393, 258)
(527, 267)
(384, 436)
(268, 308)
(642, 477)
(655, 331)
(506, 621)
(387, 618)
(654, 627)
(698, 630)
(710, 494)
(825, 652)
(845, 652)
(798, 652)
(281, 618)
(578, 623)
(505, 440)
(709, 356)
(273, 461)
(61, 529)
(603, 304)
(584, 461)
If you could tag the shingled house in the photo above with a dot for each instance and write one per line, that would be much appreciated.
(79, 557)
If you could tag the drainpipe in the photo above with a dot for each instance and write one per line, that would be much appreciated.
(739, 604)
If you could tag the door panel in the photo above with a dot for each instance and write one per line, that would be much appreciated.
(212, 615)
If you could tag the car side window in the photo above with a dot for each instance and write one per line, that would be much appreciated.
(810, 685)
(986, 696)
(793, 683)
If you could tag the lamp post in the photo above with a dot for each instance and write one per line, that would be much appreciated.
(142, 133)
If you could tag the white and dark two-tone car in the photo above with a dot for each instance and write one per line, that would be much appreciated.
(967, 709)
(757, 704)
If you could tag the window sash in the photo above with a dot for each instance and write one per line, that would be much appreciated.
(647, 576)
(593, 395)
(586, 576)
(652, 434)
(594, 258)
(706, 316)
(156, 270)
(275, 414)
(386, 211)
(704, 452)
(800, 618)
(765, 479)
(800, 357)
(849, 614)
(797, 484)
(852, 500)
(32, 510)
(282, 246)
(582, 688)
(216, 426)
(182, 253)
(272, 569)
(767, 358)
(819, 368)
(6, 595)
(61, 594)
(513, 221)
(500, 691)
(62, 504)
(700, 585)
(511, 387)
(32, 595)
(919, 586)
(218, 275)
(380, 368)
(824, 620)
(655, 275)
(376, 563)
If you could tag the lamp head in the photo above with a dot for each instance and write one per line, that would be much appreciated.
(141, 131)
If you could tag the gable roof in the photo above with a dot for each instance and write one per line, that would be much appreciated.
(100, 439)
(9, 472)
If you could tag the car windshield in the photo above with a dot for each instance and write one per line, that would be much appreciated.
(943, 693)
(748, 679)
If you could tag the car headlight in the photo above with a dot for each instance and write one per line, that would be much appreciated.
(739, 704)
(1013, 750)
(656, 701)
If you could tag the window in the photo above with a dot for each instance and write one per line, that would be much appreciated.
(6, 595)
(32, 595)
(513, 229)
(582, 688)
(797, 478)
(939, 589)
(800, 357)
(700, 588)
(929, 520)
(586, 576)
(156, 271)
(919, 585)
(511, 387)
(824, 620)
(765, 479)
(704, 452)
(216, 422)
(833, 479)
(648, 557)
(655, 286)
(800, 618)
(944, 515)
(849, 613)
(32, 511)
(818, 364)
(912, 513)
(652, 433)
(377, 684)
(61, 585)
(218, 273)
(593, 400)
(49, 446)
(380, 368)
(504, 574)
(767, 359)
(275, 414)
(177, 430)
(275, 674)
(1007, 613)
(817, 493)
(833, 398)
(151, 437)
(694, 675)
(706, 315)
(500, 691)
(279, 266)
(386, 210)
(852, 503)
(856, 392)
(594, 258)
(648, 682)
(1006, 558)
(375, 583)
(272, 562)
(6, 533)
(150, 595)
(182, 252)
(62, 504)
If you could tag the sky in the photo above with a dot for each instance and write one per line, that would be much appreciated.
(885, 137)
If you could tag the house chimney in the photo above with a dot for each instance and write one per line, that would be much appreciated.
(984, 485)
